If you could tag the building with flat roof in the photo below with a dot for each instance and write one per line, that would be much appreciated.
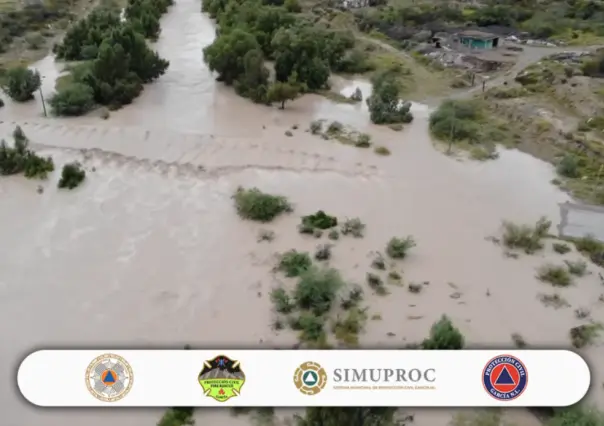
(478, 39)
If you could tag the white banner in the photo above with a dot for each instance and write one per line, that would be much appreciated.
(302, 378)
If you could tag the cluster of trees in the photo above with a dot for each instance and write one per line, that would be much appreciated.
(118, 59)
(304, 53)
(554, 17)
(385, 105)
(20, 83)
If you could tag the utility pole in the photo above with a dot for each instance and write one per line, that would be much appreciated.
(43, 103)
(42, 98)
(452, 132)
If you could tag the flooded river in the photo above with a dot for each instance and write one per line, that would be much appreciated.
(149, 251)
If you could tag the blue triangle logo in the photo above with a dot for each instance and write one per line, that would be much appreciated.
(109, 378)
(505, 378)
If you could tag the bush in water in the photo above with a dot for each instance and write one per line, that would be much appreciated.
(20, 83)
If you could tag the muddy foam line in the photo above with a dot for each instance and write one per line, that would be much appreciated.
(199, 155)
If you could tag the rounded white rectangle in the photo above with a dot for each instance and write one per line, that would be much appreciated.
(302, 378)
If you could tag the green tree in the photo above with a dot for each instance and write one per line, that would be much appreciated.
(226, 55)
(253, 82)
(385, 105)
(111, 80)
(20, 83)
(72, 100)
(257, 19)
(282, 92)
(354, 416)
(82, 40)
(301, 49)
(444, 335)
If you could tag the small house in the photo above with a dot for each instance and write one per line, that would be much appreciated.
(478, 39)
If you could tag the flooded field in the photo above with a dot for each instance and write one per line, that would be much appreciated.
(149, 251)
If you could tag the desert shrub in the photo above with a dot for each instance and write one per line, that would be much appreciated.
(376, 283)
(19, 83)
(72, 176)
(557, 276)
(333, 235)
(354, 297)
(293, 263)
(323, 252)
(444, 336)
(37, 167)
(415, 288)
(335, 127)
(525, 237)
(583, 335)
(319, 220)
(282, 301)
(378, 262)
(253, 204)
(363, 141)
(577, 268)
(20, 159)
(569, 166)
(348, 327)
(381, 150)
(311, 327)
(317, 288)
(316, 127)
(519, 341)
(561, 248)
(591, 247)
(353, 227)
(72, 100)
(398, 248)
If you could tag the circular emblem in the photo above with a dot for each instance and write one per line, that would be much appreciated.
(505, 377)
(109, 378)
(310, 378)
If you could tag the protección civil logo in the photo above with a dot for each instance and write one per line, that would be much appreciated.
(505, 377)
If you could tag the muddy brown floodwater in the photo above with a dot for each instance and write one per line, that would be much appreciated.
(149, 250)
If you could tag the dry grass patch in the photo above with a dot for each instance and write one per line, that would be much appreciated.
(525, 237)
(558, 276)
(584, 335)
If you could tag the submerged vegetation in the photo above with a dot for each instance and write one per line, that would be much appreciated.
(20, 83)
(385, 105)
(465, 124)
(20, 159)
(255, 205)
(72, 176)
(525, 237)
